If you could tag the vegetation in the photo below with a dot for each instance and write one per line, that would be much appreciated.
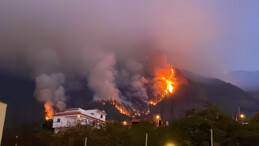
(193, 129)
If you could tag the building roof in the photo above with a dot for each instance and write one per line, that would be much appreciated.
(79, 111)
(75, 113)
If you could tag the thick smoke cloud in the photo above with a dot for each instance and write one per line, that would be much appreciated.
(132, 83)
(101, 79)
(108, 43)
(50, 90)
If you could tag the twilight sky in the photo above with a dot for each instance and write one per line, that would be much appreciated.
(238, 45)
(117, 44)
(206, 37)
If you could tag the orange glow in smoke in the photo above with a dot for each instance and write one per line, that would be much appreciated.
(49, 111)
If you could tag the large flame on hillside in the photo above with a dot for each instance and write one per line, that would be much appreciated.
(120, 108)
(164, 85)
(165, 82)
(48, 111)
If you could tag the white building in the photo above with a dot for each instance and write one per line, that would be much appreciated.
(73, 116)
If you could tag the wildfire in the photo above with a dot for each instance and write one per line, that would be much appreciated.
(49, 111)
(120, 108)
(168, 82)
(152, 102)
(165, 81)
(164, 85)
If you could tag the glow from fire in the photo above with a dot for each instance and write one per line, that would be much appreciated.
(168, 82)
(152, 102)
(165, 82)
(48, 111)
(120, 108)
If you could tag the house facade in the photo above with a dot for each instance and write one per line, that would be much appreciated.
(74, 116)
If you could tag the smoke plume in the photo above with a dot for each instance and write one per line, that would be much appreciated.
(113, 45)
(101, 79)
(49, 89)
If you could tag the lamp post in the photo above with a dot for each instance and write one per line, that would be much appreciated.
(211, 137)
(242, 118)
(85, 141)
(157, 119)
(146, 139)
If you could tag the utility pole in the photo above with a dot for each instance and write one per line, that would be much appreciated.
(146, 139)
(85, 141)
(239, 112)
(211, 137)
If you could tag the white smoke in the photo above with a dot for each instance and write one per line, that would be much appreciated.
(49, 89)
(53, 39)
(101, 79)
(131, 78)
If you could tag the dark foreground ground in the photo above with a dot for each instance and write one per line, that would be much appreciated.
(193, 129)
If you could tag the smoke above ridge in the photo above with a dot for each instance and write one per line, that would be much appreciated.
(114, 45)
(49, 90)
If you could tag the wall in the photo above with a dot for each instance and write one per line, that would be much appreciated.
(2, 118)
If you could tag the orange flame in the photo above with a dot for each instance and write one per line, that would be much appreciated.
(120, 108)
(166, 82)
(152, 102)
(49, 111)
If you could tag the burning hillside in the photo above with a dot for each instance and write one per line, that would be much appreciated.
(131, 88)
(162, 84)
(165, 82)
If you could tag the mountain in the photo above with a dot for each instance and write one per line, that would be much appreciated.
(199, 90)
(248, 81)
(24, 109)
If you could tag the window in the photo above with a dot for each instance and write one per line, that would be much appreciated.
(58, 120)
(92, 113)
(101, 116)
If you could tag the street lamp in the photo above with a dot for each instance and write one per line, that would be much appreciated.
(157, 120)
(242, 116)
(170, 144)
